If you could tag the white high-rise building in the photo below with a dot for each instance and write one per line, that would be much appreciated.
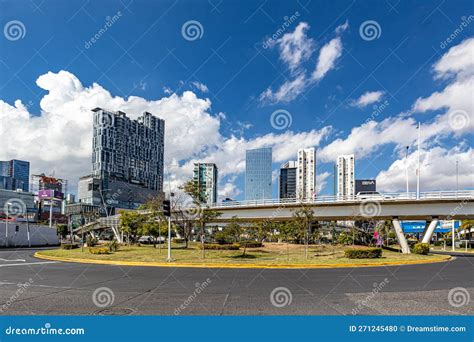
(344, 176)
(306, 174)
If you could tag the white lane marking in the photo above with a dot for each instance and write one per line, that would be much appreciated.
(31, 263)
(17, 260)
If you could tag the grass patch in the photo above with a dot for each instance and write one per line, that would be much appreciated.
(270, 254)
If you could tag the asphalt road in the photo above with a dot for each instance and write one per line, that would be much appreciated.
(30, 286)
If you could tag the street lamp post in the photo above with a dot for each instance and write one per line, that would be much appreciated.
(406, 171)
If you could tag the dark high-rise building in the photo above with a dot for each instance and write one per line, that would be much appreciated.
(127, 157)
(15, 174)
(287, 184)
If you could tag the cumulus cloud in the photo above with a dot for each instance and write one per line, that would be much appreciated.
(438, 171)
(368, 98)
(200, 86)
(60, 137)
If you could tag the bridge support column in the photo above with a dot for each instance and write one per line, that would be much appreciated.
(117, 235)
(401, 236)
(429, 232)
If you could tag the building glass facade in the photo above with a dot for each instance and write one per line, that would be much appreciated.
(14, 175)
(258, 174)
(205, 177)
(127, 157)
(287, 181)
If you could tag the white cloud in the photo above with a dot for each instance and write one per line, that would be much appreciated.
(438, 171)
(200, 86)
(295, 47)
(60, 137)
(328, 55)
(342, 28)
(458, 61)
(368, 98)
(287, 92)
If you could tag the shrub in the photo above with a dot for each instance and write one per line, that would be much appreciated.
(222, 237)
(438, 243)
(250, 244)
(99, 250)
(113, 246)
(363, 253)
(90, 241)
(178, 240)
(421, 248)
(216, 246)
(69, 246)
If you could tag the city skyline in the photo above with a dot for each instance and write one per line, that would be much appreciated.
(293, 84)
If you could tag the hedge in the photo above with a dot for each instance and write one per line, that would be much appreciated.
(69, 246)
(363, 253)
(99, 250)
(216, 246)
(250, 244)
(421, 248)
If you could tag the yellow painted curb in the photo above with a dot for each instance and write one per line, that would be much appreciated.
(258, 266)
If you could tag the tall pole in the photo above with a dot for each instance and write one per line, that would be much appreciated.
(418, 171)
(6, 226)
(169, 239)
(457, 177)
(51, 212)
(406, 171)
(452, 237)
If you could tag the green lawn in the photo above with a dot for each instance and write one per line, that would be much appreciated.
(270, 254)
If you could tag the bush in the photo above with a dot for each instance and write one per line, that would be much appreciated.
(99, 250)
(113, 246)
(216, 246)
(222, 237)
(178, 240)
(69, 246)
(438, 243)
(421, 248)
(90, 241)
(250, 244)
(363, 253)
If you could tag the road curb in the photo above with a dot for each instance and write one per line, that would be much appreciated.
(248, 266)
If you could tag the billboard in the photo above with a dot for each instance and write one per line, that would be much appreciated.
(363, 185)
(48, 193)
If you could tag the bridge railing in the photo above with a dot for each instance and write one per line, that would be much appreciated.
(381, 197)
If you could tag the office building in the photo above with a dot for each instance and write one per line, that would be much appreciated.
(14, 175)
(17, 204)
(306, 174)
(287, 181)
(88, 190)
(344, 176)
(258, 174)
(205, 177)
(127, 157)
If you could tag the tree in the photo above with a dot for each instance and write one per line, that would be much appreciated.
(62, 230)
(466, 226)
(154, 222)
(130, 223)
(184, 224)
(288, 230)
(303, 219)
(233, 229)
(202, 215)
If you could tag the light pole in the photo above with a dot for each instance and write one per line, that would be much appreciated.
(51, 212)
(406, 171)
(418, 171)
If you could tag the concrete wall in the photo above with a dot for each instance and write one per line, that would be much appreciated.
(39, 235)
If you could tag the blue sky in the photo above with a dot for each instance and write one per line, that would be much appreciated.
(144, 54)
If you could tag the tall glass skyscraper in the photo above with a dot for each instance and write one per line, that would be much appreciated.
(15, 174)
(258, 174)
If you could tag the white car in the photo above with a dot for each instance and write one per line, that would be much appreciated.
(373, 195)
